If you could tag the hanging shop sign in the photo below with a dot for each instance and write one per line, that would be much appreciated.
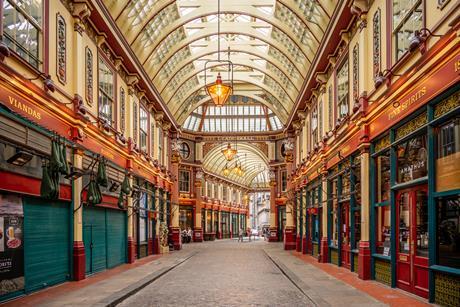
(11, 244)
(447, 75)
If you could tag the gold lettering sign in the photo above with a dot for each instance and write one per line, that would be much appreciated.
(24, 108)
(457, 66)
(404, 105)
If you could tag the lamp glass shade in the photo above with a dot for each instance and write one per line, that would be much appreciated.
(226, 171)
(229, 153)
(219, 92)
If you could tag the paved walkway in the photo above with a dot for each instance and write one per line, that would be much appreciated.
(223, 273)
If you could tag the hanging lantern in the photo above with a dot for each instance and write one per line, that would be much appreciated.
(218, 91)
(226, 170)
(229, 153)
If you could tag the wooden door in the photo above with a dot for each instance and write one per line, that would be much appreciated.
(412, 244)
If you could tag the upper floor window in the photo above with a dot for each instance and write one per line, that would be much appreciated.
(342, 90)
(407, 18)
(184, 181)
(160, 145)
(184, 150)
(143, 129)
(224, 193)
(22, 28)
(106, 91)
(283, 181)
(314, 125)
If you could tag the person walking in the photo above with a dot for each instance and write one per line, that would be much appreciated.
(240, 235)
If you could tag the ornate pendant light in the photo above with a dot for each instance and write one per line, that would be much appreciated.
(219, 91)
(229, 153)
(226, 171)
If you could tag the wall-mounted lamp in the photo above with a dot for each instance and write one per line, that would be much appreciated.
(4, 50)
(47, 83)
(418, 37)
(20, 158)
(382, 76)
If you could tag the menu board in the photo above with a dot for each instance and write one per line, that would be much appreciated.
(11, 244)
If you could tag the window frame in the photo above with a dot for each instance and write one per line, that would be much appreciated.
(143, 147)
(102, 57)
(338, 102)
(184, 181)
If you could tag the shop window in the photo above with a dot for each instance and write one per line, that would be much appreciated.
(448, 155)
(185, 218)
(216, 222)
(342, 90)
(412, 159)
(448, 231)
(407, 18)
(106, 95)
(383, 229)
(283, 181)
(334, 213)
(208, 221)
(404, 223)
(382, 163)
(143, 129)
(184, 181)
(22, 29)
(421, 218)
(143, 218)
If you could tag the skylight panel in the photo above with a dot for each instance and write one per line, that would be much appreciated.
(186, 10)
(263, 30)
(266, 9)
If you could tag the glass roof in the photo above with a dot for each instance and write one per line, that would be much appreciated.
(233, 118)
(271, 44)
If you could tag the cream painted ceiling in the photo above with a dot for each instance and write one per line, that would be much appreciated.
(272, 44)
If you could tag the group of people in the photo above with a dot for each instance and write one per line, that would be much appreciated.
(187, 235)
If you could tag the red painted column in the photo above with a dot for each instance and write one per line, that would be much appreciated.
(364, 260)
(79, 260)
(324, 249)
(198, 231)
(131, 250)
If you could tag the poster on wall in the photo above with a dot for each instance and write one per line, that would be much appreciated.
(11, 244)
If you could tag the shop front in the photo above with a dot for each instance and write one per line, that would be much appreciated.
(313, 217)
(415, 246)
(281, 221)
(225, 224)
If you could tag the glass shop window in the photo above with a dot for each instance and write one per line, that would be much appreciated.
(216, 222)
(448, 231)
(382, 163)
(448, 155)
(421, 217)
(22, 28)
(184, 181)
(334, 213)
(143, 129)
(185, 218)
(208, 221)
(407, 18)
(143, 218)
(345, 193)
(383, 229)
(106, 91)
(412, 159)
(342, 90)
(404, 223)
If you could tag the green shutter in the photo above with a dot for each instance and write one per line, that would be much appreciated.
(116, 238)
(46, 243)
(94, 239)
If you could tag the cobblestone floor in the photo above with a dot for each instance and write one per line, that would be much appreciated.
(227, 273)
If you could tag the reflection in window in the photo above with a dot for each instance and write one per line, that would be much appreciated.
(383, 229)
(407, 18)
(412, 159)
(448, 231)
(383, 177)
(143, 128)
(421, 217)
(22, 22)
(404, 223)
(449, 138)
(106, 94)
(342, 90)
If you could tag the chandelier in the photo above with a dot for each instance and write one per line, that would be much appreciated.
(219, 91)
(229, 153)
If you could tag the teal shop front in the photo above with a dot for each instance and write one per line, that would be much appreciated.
(104, 237)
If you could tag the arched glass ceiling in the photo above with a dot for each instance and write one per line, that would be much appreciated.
(272, 45)
(252, 117)
(253, 162)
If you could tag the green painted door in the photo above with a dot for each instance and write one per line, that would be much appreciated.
(94, 239)
(46, 243)
(116, 237)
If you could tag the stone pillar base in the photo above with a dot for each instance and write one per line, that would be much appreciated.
(198, 235)
(364, 260)
(273, 234)
(150, 246)
(324, 248)
(176, 238)
(298, 243)
(79, 261)
(131, 250)
(304, 245)
(289, 238)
